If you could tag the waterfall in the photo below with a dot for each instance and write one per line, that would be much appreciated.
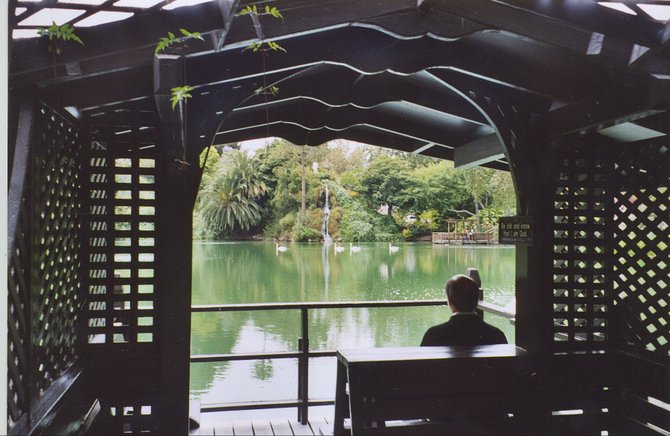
(327, 240)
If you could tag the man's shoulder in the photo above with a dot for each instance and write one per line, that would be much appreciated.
(494, 331)
(438, 327)
(435, 334)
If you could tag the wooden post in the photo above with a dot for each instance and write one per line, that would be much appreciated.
(174, 302)
(534, 180)
(303, 369)
(174, 221)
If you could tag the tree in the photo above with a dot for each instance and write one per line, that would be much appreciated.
(437, 187)
(228, 197)
(302, 183)
(386, 181)
(211, 164)
(478, 185)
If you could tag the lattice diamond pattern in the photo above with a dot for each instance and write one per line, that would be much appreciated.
(44, 271)
(56, 293)
(612, 231)
(641, 229)
(18, 317)
(641, 270)
(580, 276)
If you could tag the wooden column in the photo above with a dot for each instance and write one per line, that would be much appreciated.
(520, 124)
(174, 303)
(531, 166)
(174, 220)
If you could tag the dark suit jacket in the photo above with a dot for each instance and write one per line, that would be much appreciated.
(464, 329)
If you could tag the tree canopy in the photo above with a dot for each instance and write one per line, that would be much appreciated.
(260, 195)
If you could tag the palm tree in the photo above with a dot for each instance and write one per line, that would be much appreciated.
(249, 173)
(228, 198)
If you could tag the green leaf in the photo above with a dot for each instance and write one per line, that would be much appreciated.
(171, 39)
(76, 38)
(275, 47)
(65, 32)
(246, 11)
(254, 46)
(179, 94)
(275, 13)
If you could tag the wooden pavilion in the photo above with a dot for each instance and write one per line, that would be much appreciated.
(571, 97)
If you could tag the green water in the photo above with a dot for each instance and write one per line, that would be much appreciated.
(257, 273)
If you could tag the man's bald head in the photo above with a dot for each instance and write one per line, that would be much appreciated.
(462, 293)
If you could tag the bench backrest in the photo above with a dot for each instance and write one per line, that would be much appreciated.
(443, 387)
(498, 390)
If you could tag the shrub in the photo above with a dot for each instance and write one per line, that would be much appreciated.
(302, 231)
(286, 225)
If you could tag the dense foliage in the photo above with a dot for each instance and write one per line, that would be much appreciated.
(374, 194)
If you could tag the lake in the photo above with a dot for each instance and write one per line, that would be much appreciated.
(256, 272)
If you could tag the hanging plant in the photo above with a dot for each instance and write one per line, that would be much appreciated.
(172, 39)
(55, 33)
(253, 9)
(262, 45)
(180, 94)
(270, 45)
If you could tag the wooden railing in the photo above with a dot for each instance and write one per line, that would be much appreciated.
(303, 354)
(462, 238)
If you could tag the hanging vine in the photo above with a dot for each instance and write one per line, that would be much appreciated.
(171, 39)
(263, 46)
(57, 33)
(179, 95)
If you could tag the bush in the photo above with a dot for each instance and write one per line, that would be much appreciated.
(272, 230)
(202, 231)
(302, 231)
(386, 228)
(358, 225)
(286, 225)
(335, 223)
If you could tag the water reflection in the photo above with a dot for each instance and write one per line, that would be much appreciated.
(254, 273)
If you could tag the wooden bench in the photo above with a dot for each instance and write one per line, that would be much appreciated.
(499, 389)
(413, 390)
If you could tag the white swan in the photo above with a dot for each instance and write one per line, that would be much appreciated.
(338, 248)
(353, 248)
(280, 248)
(393, 248)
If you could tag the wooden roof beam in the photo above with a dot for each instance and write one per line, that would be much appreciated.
(131, 42)
(624, 104)
(314, 115)
(479, 152)
(534, 24)
(352, 46)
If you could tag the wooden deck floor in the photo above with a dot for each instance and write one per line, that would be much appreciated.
(278, 427)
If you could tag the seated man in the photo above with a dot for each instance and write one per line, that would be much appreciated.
(465, 327)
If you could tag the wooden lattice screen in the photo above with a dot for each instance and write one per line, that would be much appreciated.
(120, 241)
(611, 232)
(44, 280)
(641, 243)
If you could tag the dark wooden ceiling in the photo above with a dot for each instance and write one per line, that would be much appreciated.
(404, 74)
